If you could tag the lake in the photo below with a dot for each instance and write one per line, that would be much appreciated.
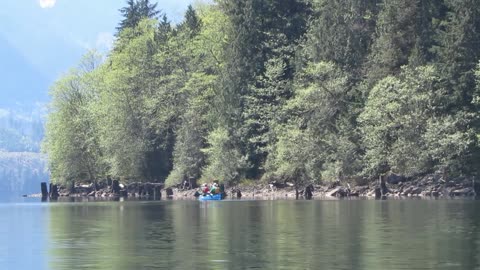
(282, 234)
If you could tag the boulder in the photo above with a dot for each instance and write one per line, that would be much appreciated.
(395, 179)
(333, 193)
(416, 191)
(462, 192)
(169, 192)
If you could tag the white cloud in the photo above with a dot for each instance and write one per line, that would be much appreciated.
(47, 3)
(102, 42)
(105, 41)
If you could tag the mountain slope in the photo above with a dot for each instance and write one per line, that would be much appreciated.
(21, 83)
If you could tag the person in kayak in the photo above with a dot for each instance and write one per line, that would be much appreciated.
(214, 189)
(205, 190)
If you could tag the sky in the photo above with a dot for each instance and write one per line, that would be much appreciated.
(42, 39)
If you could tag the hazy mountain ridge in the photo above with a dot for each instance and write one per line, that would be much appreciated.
(21, 173)
(20, 132)
(22, 166)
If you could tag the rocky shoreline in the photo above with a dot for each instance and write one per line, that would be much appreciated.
(392, 187)
(386, 187)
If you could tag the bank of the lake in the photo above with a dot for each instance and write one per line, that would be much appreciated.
(391, 186)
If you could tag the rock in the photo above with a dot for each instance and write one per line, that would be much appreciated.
(450, 184)
(416, 191)
(354, 194)
(123, 193)
(395, 179)
(462, 192)
(275, 185)
(407, 191)
(338, 192)
(359, 190)
(333, 193)
(371, 193)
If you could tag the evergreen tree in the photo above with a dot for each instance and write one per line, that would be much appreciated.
(457, 51)
(341, 31)
(135, 11)
(191, 22)
(403, 33)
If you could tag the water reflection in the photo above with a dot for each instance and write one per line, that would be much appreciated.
(408, 234)
(23, 235)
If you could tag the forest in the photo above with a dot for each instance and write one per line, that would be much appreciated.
(297, 90)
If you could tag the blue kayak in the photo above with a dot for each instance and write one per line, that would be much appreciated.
(216, 197)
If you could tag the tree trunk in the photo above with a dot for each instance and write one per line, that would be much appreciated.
(72, 187)
(309, 192)
(157, 192)
(383, 186)
(53, 191)
(148, 190)
(378, 193)
(115, 187)
(43, 187)
(169, 192)
(476, 187)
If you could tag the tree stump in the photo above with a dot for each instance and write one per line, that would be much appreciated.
(43, 187)
(476, 188)
(53, 191)
(157, 192)
(169, 192)
(72, 187)
(148, 190)
(309, 192)
(383, 186)
(115, 187)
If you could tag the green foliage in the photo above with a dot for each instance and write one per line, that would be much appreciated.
(225, 162)
(71, 135)
(341, 31)
(296, 90)
(404, 130)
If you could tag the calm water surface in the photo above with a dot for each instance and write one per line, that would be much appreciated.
(344, 234)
